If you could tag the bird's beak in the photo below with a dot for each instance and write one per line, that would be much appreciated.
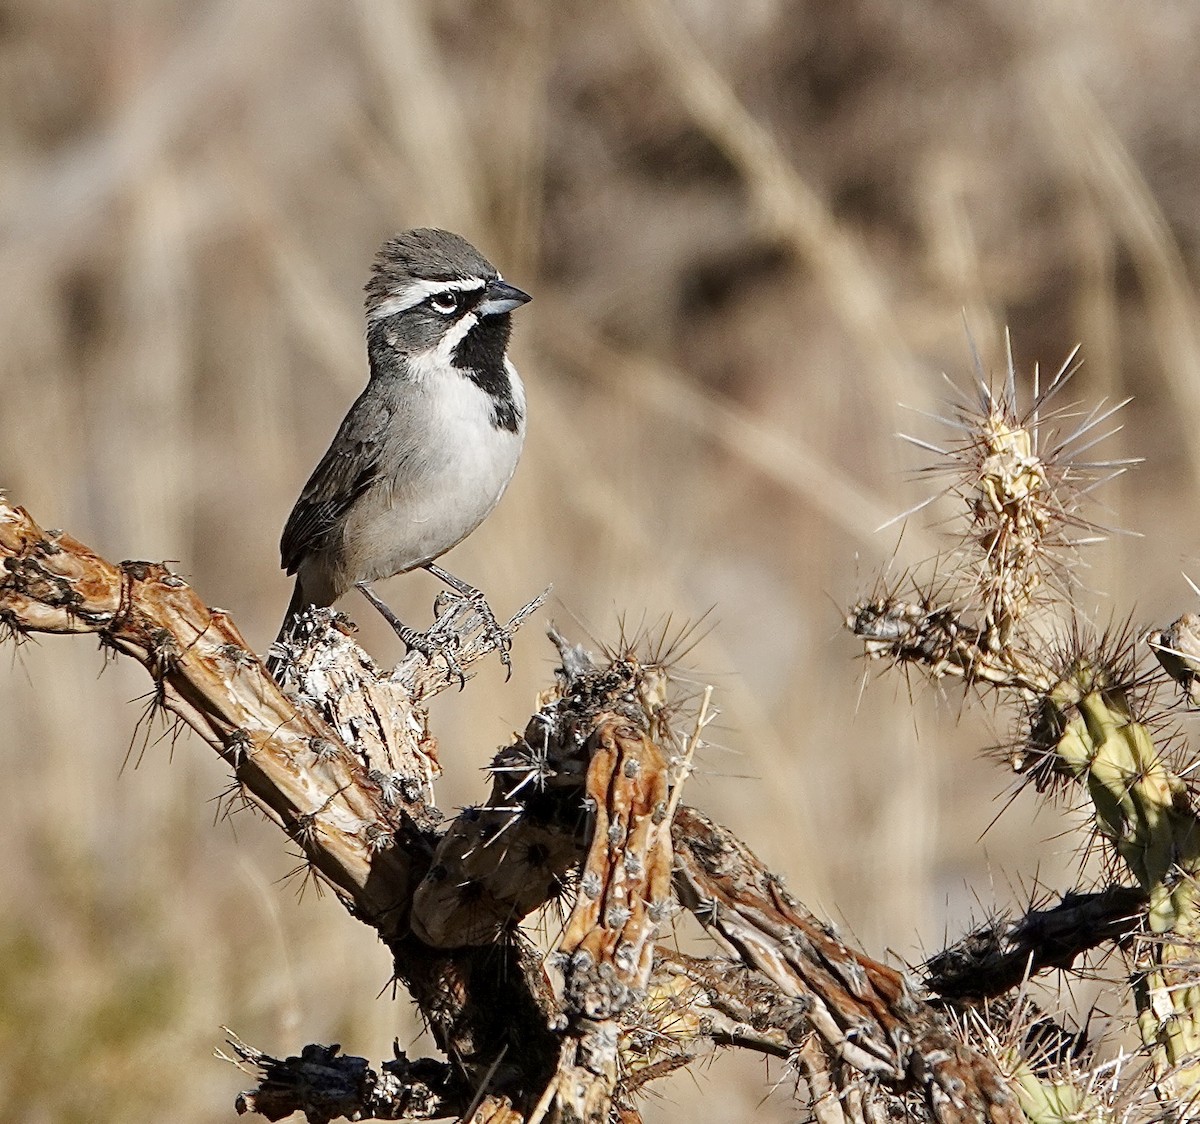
(500, 296)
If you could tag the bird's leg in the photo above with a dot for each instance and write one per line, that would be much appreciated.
(497, 633)
(413, 640)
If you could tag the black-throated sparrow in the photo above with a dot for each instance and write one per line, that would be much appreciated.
(430, 445)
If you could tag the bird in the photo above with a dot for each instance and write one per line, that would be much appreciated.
(430, 445)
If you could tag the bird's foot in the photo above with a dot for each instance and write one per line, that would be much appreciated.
(422, 642)
(433, 649)
(497, 636)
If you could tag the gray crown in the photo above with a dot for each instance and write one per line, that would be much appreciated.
(424, 254)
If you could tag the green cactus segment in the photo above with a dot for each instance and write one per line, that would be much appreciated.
(1145, 810)
(1054, 1102)
(1140, 805)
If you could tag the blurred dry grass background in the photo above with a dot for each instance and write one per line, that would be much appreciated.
(750, 230)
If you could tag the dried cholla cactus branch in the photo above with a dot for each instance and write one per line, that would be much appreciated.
(574, 751)
(499, 862)
(288, 759)
(938, 638)
(585, 787)
(693, 1003)
(606, 951)
(458, 627)
(582, 801)
(696, 1004)
(1022, 484)
(1086, 709)
(326, 1084)
(1000, 954)
(865, 1013)
(344, 762)
(355, 806)
(1177, 649)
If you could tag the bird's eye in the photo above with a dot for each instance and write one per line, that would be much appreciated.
(445, 303)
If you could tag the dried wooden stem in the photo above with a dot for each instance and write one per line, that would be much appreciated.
(288, 759)
(343, 765)
(344, 762)
(864, 1012)
(1000, 954)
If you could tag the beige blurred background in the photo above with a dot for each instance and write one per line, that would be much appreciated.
(751, 231)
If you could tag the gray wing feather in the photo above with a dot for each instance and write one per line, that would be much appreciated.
(349, 467)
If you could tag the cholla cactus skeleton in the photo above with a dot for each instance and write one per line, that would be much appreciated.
(1022, 485)
(991, 619)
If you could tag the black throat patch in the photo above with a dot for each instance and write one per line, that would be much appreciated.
(480, 356)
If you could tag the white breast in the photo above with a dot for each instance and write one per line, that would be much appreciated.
(450, 466)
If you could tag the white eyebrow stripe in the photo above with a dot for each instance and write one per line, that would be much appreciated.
(412, 293)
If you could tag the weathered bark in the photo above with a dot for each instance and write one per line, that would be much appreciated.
(584, 806)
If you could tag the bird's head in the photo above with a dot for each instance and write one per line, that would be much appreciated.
(433, 296)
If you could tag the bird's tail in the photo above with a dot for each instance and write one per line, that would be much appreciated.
(275, 658)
